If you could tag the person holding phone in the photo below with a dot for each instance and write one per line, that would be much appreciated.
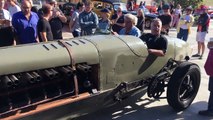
(185, 24)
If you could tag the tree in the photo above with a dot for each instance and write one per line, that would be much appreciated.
(186, 3)
(183, 3)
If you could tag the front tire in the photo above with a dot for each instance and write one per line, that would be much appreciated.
(183, 86)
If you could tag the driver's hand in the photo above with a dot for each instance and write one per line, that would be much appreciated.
(149, 50)
(114, 33)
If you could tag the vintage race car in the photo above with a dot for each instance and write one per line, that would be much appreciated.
(76, 76)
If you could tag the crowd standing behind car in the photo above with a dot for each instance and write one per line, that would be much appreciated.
(88, 22)
(22, 26)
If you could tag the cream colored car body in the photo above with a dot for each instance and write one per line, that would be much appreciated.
(113, 60)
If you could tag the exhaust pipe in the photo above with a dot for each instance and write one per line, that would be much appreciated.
(29, 77)
(48, 74)
(36, 76)
(84, 68)
(14, 79)
(71, 69)
(66, 70)
(88, 67)
(7, 82)
(55, 73)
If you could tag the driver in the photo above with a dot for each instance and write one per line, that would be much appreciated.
(156, 43)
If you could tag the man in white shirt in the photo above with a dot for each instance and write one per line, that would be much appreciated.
(13, 7)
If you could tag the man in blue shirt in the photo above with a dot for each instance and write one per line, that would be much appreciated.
(24, 23)
(130, 28)
(88, 20)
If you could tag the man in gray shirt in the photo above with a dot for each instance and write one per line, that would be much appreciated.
(88, 20)
(74, 21)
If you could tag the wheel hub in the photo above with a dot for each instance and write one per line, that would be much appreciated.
(186, 88)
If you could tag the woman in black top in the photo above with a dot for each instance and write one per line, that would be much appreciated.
(141, 20)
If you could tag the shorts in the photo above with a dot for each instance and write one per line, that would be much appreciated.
(201, 36)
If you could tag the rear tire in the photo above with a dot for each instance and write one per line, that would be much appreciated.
(183, 86)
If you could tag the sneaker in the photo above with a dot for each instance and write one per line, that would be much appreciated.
(206, 113)
(196, 55)
(201, 56)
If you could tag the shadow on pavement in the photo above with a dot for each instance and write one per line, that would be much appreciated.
(130, 110)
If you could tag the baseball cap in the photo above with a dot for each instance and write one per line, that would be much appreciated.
(203, 7)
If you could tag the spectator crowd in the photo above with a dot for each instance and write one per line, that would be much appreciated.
(22, 23)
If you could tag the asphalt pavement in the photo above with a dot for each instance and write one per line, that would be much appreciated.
(144, 108)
